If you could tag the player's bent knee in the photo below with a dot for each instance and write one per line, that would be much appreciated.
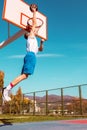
(26, 76)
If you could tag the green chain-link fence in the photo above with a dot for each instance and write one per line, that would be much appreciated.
(60, 101)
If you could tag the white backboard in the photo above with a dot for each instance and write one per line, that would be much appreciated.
(18, 12)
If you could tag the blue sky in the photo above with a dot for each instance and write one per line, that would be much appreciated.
(64, 59)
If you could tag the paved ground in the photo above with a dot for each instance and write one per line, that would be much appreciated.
(51, 125)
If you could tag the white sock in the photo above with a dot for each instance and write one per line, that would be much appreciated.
(9, 87)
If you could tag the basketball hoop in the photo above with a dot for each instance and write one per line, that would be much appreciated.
(21, 12)
(38, 21)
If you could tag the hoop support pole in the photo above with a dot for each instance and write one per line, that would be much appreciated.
(12, 38)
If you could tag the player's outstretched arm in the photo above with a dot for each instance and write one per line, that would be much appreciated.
(41, 45)
(34, 21)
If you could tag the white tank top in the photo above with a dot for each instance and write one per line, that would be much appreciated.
(32, 45)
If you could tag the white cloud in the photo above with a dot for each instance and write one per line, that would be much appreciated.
(39, 56)
(50, 55)
(16, 57)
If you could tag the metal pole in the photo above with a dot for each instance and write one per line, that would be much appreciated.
(34, 103)
(8, 29)
(23, 104)
(62, 102)
(46, 102)
(80, 97)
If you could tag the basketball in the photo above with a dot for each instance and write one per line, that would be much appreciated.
(33, 6)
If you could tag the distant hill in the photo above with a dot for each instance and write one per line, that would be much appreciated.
(52, 98)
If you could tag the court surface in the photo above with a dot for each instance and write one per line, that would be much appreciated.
(49, 125)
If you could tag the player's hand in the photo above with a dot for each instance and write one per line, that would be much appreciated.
(42, 40)
(33, 9)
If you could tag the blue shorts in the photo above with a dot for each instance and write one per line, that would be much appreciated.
(29, 63)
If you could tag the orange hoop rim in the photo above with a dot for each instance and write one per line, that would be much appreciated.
(38, 25)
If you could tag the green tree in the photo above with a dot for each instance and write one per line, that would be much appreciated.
(1, 79)
(19, 100)
(1, 85)
(16, 103)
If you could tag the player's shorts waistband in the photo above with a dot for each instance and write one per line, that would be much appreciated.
(30, 53)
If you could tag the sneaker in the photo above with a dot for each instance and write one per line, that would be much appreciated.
(6, 95)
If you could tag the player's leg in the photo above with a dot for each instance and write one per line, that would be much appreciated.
(11, 85)
(28, 69)
(19, 79)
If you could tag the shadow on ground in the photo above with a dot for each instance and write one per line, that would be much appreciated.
(5, 122)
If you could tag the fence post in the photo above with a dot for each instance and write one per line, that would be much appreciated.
(80, 97)
(46, 102)
(62, 102)
(34, 103)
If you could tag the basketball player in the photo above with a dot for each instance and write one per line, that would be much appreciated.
(30, 58)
